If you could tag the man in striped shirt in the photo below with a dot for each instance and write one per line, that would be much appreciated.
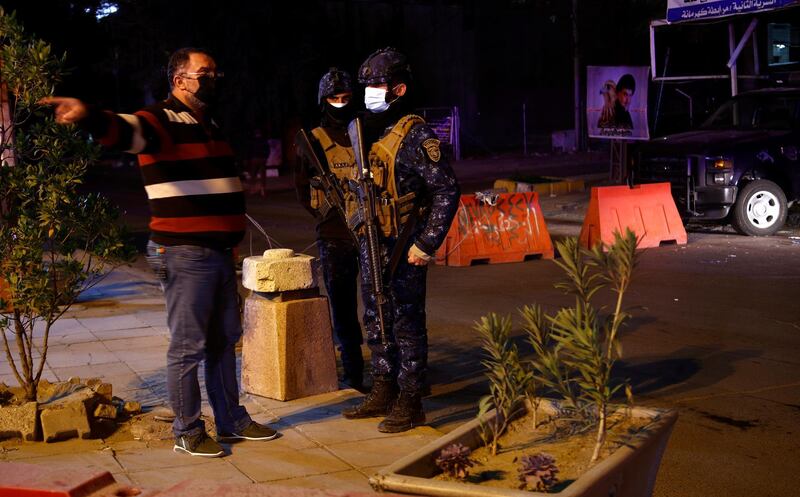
(197, 218)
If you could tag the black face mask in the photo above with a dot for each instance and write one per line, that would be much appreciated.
(341, 115)
(207, 90)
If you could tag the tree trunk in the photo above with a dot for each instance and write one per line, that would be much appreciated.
(601, 434)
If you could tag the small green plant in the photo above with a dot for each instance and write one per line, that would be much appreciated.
(538, 473)
(454, 460)
(55, 241)
(547, 367)
(508, 380)
(574, 350)
(589, 343)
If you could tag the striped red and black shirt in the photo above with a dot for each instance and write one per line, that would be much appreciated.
(188, 170)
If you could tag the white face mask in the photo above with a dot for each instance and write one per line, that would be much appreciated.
(337, 105)
(375, 99)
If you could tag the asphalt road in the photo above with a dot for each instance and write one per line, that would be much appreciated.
(715, 334)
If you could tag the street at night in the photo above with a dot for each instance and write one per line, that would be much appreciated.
(445, 248)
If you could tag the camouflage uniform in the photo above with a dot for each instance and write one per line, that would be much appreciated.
(399, 365)
(405, 355)
(337, 250)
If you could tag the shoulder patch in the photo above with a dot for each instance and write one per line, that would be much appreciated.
(431, 147)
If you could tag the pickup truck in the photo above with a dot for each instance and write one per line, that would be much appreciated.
(742, 166)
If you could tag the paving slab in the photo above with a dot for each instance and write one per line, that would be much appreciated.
(153, 318)
(280, 464)
(200, 489)
(144, 396)
(213, 471)
(144, 360)
(63, 326)
(72, 336)
(382, 451)
(147, 331)
(113, 322)
(137, 456)
(103, 371)
(343, 481)
(341, 430)
(94, 460)
(16, 450)
(326, 400)
(125, 345)
(123, 479)
(11, 380)
(289, 439)
(78, 354)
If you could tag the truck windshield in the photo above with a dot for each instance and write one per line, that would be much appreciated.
(756, 112)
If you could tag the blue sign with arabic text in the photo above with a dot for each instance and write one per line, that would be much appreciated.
(689, 10)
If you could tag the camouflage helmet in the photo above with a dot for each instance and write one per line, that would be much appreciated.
(334, 81)
(382, 66)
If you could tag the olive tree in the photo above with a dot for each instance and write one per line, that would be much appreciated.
(55, 240)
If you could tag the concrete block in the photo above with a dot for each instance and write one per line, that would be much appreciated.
(104, 390)
(287, 348)
(105, 411)
(132, 407)
(18, 421)
(279, 270)
(93, 382)
(68, 417)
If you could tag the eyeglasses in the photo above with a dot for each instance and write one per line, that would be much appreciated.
(200, 75)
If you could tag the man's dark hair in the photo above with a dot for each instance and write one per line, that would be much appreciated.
(179, 58)
(627, 82)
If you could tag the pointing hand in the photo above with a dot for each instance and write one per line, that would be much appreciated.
(67, 110)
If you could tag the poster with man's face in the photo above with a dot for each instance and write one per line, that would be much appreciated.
(616, 102)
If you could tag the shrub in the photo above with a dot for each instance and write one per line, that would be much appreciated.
(574, 350)
(55, 241)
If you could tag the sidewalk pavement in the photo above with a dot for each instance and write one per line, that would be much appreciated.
(118, 332)
(126, 343)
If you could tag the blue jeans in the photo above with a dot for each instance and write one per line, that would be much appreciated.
(203, 317)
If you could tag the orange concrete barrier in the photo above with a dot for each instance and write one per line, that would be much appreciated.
(648, 210)
(496, 228)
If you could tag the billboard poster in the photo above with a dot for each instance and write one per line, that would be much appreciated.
(687, 10)
(616, 102)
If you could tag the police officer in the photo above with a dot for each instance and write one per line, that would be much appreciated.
(412, 177)
(337, 250)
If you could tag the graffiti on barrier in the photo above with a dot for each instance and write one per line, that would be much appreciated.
(512, 223)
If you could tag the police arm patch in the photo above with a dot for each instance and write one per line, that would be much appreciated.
(431, 147)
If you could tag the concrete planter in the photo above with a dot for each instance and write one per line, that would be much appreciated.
(629, 472)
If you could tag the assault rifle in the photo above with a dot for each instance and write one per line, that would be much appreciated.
(366, 215)
(323, 179)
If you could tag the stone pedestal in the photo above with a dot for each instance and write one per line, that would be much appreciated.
(287, 348)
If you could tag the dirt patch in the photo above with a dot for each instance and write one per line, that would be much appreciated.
(561, 439)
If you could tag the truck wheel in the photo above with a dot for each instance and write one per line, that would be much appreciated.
(760, 209)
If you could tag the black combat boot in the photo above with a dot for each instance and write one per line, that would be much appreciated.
(378, 401)
(406, 414)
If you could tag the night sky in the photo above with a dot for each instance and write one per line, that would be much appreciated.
(486, 57)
